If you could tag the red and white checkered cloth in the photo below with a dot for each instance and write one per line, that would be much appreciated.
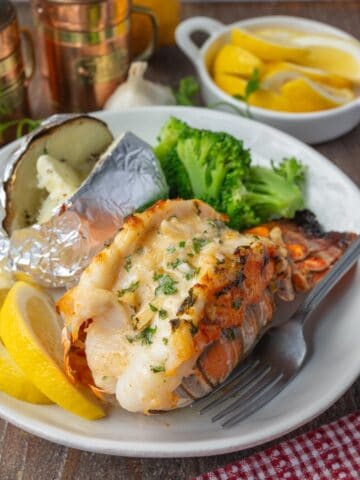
(332, 452)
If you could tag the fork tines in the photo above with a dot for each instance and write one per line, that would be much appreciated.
(253, 385)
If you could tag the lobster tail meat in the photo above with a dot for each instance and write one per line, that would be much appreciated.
(170, 308)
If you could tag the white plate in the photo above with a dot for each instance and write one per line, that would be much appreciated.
(335, 359)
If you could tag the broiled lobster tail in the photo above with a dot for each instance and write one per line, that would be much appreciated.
(177, 301)
(238, 314)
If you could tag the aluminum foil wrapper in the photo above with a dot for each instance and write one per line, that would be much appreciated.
(126, 178)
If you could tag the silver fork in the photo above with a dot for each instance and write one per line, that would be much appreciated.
(276, 360)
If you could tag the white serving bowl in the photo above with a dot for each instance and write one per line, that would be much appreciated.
(312, 127)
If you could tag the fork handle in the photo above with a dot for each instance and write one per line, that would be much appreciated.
(330, 280)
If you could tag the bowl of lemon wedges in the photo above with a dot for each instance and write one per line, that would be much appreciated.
(298, 75)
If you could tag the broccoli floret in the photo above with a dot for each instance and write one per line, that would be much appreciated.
(216, 168)
(292, 170)
(168, 137)
(209, 158)
(275, 192)
(241, 214)
(176, 176)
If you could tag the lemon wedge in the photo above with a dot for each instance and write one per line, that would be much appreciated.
(265, 49)
(31, 331)
(14, 383)
(275, 34)
(307, 96)
(335, 55)
(278, 73)
(233, 59)
(231, 84)
(270, 100)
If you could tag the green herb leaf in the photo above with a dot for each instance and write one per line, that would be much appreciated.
(252, 86)
(153, 308)
(24, 124)
(166, 284)
(165, 340)
(145, 336)
(175, 263)
(128, 263)
(182, 244)
(199, 243)
(187, 89)
(157, 368)
(162, 313)
(131, 288)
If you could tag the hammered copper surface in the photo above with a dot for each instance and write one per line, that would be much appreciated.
(13, 92)
(84, 50)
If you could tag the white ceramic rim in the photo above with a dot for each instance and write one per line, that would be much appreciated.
(266, 113)
(158, 449)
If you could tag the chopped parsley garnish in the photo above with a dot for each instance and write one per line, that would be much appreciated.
(199, 243)
(166, 284)
(128, 263)
(236, 304)
(191, 274)
(162, 313)
(145, 336)
(165, 340)
(175, 263)
(191, 270)
(131, 288)
(182, 244)
(170, 249)
(152, 307)
(157, 368)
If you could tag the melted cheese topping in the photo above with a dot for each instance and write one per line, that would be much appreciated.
(140, 348)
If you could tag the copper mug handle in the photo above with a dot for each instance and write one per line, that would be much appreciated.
(29, 61)
(149, 50)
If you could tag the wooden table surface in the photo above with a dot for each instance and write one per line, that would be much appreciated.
(25, 457)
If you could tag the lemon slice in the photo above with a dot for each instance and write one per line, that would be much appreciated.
(230, 83)
(235, 60)
(265, 49)
(14, 383)
(265, 99)
(31, 331)
(270, 100)
(308, 96)
(276, 34)
(276, 74)
(333, 54)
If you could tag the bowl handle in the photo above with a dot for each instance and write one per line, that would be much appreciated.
(188, 27)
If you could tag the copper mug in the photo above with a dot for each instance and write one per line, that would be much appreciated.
(84, 49)
(15, 73)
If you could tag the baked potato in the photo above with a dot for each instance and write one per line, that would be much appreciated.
(77, 141)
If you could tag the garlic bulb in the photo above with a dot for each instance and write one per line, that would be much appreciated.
(137, 91)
